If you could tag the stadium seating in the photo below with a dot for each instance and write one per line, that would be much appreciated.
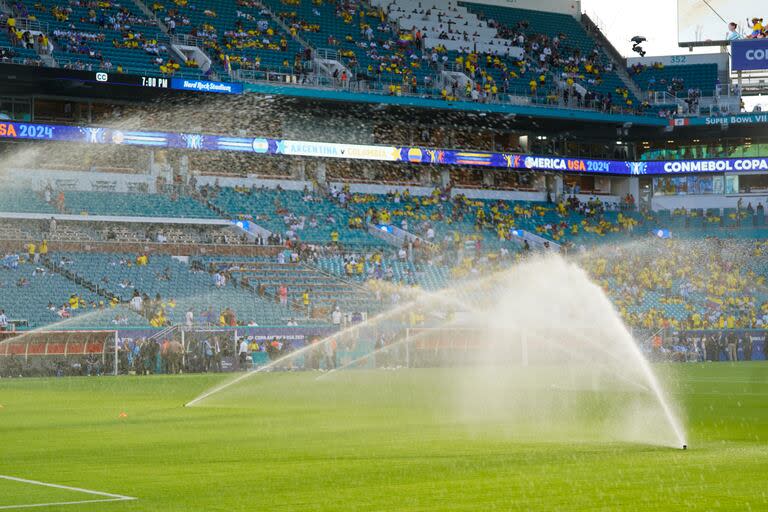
(106, 203)
(574, 41)
(23, 200)
(271, 208)
(104, 36)
(341, 29)
(11, 51)
(271, 36)
(29, 290)
(134, 204)
(235, 31)
(673, 293)
(430, 277)
(694, 76)
(325, 288)
(179, 286)
(472, 236)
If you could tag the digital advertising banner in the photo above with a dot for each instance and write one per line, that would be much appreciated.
(407, 154)
(749, 55)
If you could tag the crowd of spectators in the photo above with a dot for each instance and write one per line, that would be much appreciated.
(658, 285)
(551, 70)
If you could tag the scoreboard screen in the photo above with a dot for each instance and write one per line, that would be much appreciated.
(169, 83)
(152, 82)
(705, 22)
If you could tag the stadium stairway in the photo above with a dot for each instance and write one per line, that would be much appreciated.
(28, 300)
(85, 282)
(95, 35)
(619, 62)
(214, 30)
(554, 25)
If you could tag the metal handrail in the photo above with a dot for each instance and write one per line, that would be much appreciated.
(85, 66)
(28, 24)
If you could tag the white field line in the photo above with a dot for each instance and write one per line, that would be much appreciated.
(61, 503)
(106, 495)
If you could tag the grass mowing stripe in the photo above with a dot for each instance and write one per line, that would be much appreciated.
(371, 441)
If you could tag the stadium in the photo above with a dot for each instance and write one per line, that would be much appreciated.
(383, 255)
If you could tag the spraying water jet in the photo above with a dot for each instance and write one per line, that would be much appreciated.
(542, 348)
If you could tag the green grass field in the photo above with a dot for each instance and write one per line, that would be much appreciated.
(367, 440)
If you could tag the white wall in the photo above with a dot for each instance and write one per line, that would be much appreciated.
(510, 195)
(224, 181)
(572, 7)
(369, 188)
(37, 179)
(705, 201)
(472, 193)
(114, 218)
(606, 199)
(721, 59)
(624, 186)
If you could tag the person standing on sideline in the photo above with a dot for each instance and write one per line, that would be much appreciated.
(217, 355)
(3, 321)
(207, 355)
(765, 346)
(746, 347)
(703, 348)
(732, 344)
(243, 353)
(336, 318)
(189, 318)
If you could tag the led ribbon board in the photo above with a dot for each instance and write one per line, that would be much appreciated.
(410, 154)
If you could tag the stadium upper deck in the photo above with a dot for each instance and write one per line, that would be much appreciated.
(439, 54)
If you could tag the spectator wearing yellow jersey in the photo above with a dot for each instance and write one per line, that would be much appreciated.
(306, 301)
(32, 252)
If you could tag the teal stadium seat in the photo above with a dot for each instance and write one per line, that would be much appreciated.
(30, 302)
(174, 279)
(102, 32)
(23, 200)
(694, 76)
(265, 205)
(134, 205)
(552, 25)
(215, 23)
